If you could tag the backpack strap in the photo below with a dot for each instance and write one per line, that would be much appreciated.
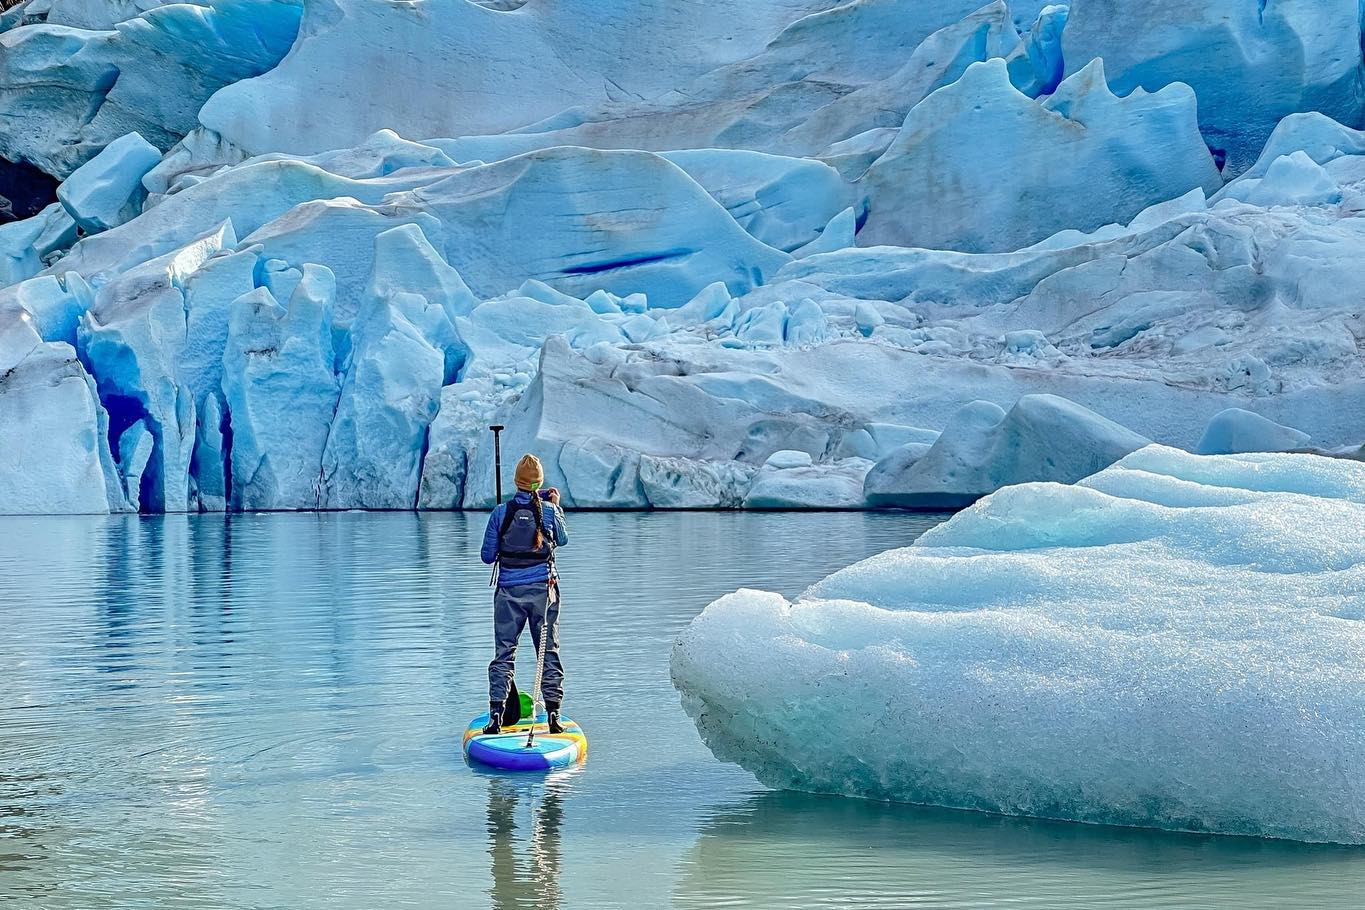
(537, 509)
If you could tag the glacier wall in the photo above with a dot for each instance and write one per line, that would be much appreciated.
(822, 254)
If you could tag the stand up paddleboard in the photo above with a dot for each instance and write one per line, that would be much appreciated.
(514, 748)
(507, 751)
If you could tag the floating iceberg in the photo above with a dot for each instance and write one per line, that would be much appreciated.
(982, 449)
(1175, 642)
(1235, 431)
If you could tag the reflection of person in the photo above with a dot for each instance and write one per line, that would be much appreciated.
(538, 885)
(521, 538)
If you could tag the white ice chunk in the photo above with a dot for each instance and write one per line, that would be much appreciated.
(1293, 179)
(1043, 437)
(1235, 431)
(789, 480)
(1175, 643)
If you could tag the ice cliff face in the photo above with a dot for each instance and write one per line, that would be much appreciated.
(303, 253)
(1171, 643)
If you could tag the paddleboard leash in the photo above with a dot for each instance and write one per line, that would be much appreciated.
(551, 591)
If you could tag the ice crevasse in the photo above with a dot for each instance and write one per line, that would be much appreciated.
(1177, 642)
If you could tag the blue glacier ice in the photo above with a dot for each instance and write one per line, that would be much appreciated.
(71, 91)
(282, 391)
(1082, 158)
(389, 397)
(107, 190)
(52, 427)
(1251, 64)
(814, 227)
(1173, 642)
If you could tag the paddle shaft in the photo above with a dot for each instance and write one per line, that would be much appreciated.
(497, 429)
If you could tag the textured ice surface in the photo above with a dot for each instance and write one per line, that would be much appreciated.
(537, 210)
(70, 91)
(1234, 431)
(1250, 63)
(982, 449)
(1175, 642)
(1096, 158)
(107, 190)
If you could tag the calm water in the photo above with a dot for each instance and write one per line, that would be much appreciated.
(265, 712)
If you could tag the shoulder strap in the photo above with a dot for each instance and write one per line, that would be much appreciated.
(509, 512)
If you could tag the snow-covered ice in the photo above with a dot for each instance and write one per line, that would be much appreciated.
(1175, 642)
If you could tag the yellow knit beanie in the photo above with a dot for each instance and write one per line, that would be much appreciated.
(529, 473)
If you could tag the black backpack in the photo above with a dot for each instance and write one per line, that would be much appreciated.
(523, 524)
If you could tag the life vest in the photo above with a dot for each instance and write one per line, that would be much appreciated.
(523, 524)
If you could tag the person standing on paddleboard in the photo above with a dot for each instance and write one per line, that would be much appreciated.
(521, 537)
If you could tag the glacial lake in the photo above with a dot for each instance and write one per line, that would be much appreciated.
(264, 711)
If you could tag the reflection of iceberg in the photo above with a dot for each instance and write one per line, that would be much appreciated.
(782, 850)
(1175, 642)
(525, 869)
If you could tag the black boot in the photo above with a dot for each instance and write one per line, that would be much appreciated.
(552, 714)
(494, 718)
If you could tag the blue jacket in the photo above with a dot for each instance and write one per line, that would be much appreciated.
(554, 524)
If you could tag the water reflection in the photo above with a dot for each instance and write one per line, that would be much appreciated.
(779, 850)
(254, 712)
(526, 864)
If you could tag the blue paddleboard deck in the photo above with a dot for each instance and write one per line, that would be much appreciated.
(508, 751)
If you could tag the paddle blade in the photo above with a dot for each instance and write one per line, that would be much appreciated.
(513, 709)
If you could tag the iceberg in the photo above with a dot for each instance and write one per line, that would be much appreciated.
(983, 448)
(1236, 431)
(1174, 642)
(791, 480)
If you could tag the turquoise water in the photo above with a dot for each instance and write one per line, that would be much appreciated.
(265, 712)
